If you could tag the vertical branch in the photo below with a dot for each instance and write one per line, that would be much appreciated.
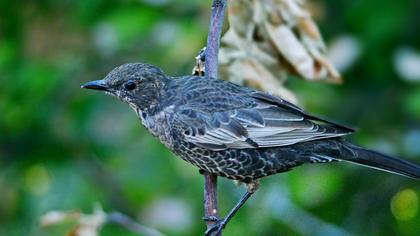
(211, 67)
(210, 199)
(213, 40)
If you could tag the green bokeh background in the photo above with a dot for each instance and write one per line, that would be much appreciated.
(63, 148)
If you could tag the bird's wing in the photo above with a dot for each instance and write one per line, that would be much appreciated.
(270, 122)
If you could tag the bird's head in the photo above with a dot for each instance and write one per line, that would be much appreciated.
(137, 84)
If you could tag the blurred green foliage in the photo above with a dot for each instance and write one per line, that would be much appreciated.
(62, 148)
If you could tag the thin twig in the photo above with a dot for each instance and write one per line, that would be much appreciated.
(133, 226)
(211, 67)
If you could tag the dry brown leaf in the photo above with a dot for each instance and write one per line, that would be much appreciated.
(252, 73)
(57, 217)
(91, 224)
(269, 40)
(86, 224)
(291, 48)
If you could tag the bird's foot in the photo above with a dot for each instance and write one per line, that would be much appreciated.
(211, 219)
(217, 228)
(199, 68)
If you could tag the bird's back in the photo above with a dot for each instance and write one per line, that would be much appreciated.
(207, 95)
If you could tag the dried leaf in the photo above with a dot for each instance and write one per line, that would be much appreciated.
(291, 48)
(57, 217)
(91, 224)
(86, 224)
(268, 40)
(252, 73)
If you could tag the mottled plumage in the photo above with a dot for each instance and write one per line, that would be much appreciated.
(233, 131)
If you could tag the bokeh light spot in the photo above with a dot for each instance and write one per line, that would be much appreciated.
(405, 205)
(37, 180)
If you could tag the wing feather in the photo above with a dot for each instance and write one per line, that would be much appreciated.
(270, 122)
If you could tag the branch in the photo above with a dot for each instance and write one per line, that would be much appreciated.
(210, 199)
(133, 226)
(211, 67)
(213, 40)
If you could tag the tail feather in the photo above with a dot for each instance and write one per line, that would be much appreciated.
(376, 160)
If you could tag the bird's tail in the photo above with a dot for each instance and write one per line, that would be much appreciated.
(376, 160)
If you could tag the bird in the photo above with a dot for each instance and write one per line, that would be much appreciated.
(233, 131)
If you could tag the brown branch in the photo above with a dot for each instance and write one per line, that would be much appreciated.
(129, 224)
(213, 40)
(210, 199)
(211, 67)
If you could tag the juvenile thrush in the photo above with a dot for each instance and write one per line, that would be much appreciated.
(233, 131)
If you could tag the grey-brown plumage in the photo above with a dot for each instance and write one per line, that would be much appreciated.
(233, 131)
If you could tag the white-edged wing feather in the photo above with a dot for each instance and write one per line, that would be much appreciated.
(270, 123)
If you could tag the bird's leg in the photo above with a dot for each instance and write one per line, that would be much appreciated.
(221, 224)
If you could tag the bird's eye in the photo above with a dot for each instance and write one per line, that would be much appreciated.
(130, 85)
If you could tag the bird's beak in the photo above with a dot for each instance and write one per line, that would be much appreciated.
(97, 85)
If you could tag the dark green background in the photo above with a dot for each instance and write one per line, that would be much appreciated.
(65, 148)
